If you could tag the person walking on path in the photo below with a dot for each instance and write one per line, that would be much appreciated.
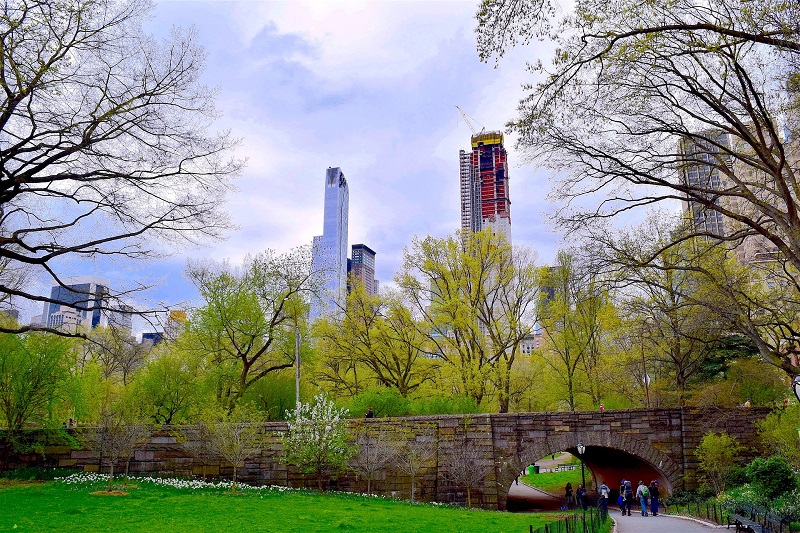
(580, 495)
(626, 497)
(642, 493)
(654, 497)
(602, 501)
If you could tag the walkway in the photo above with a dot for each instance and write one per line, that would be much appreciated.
(636, 523)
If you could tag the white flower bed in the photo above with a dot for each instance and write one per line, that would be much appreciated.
(93, 478)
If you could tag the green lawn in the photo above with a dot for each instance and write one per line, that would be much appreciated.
(554, 482)
(56, 506)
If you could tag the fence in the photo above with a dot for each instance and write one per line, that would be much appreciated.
(711, 512)
(592, 521)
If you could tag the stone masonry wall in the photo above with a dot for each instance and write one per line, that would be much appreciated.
(638, 443)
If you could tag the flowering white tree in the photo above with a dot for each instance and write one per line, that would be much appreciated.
(316, 441)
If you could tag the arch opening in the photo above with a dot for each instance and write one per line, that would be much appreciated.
(602, 464)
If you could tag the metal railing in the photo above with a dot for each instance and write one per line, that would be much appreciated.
(592, 521)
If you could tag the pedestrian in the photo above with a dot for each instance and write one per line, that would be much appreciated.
(602, 407)
(369, 413)
(580, 495)
(602, 501)
(785, 402)
(642, 493)
(568, 495)
(748, 403)
(654, 494)
(626, 497)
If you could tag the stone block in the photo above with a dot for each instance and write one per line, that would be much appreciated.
(144, 455)
(91, 468)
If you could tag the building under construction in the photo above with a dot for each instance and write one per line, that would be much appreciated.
(485, 202)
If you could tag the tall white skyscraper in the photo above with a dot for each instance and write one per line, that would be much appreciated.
(329, 250)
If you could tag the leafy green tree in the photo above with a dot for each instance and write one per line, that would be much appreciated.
(476, 299)
(317, 439)
(718, 454)
(247, 317)
(169, 388)
(778, 432)
(571, 322)
(34, 371)
(375, 341)
(640, 95)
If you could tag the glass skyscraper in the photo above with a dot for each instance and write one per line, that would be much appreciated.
(329, 251)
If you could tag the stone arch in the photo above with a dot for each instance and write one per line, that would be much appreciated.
(645, 461)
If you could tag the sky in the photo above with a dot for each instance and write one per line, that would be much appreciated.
(370, 87)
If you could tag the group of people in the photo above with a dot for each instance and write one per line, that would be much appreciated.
(646, 495)
(579, 498)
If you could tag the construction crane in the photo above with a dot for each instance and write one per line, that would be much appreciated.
(469, 123)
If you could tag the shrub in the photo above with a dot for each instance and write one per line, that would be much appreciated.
(772, 476)
(383, 401)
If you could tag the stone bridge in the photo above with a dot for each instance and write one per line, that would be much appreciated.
(635, 444)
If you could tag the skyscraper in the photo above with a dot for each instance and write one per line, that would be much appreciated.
(485, 201)
(362, 266)
(86, 304)
(706, 167)
(329, 250)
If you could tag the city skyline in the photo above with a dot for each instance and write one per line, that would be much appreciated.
(365, 97)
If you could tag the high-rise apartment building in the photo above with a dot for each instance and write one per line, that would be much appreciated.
(362, 267)
(329, 250)
(83, 303)
(701, 172)
(485, 201)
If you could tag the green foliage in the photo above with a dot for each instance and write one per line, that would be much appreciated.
(384, 402)
(34, 368)
(778, 432)
(444, 405)
(317, 439)
(718, 453)
(168, 390)
(273, 395)
(772, 476)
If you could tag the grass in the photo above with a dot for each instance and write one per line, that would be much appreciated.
(57, 506)
(554, 482)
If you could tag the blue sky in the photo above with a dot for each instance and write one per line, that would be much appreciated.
(366, 86)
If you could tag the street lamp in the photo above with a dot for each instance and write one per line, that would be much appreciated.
(581, 450)
(296, 357)
(796, 387)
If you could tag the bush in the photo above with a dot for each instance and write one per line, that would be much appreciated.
(772, 476)
(444, 405)
(384, 402)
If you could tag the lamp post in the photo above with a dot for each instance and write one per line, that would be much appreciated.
(796, 387)
(581, 450)
(644, 368)
(296, 356)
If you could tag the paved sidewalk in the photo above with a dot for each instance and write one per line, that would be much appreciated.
(636, 523)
